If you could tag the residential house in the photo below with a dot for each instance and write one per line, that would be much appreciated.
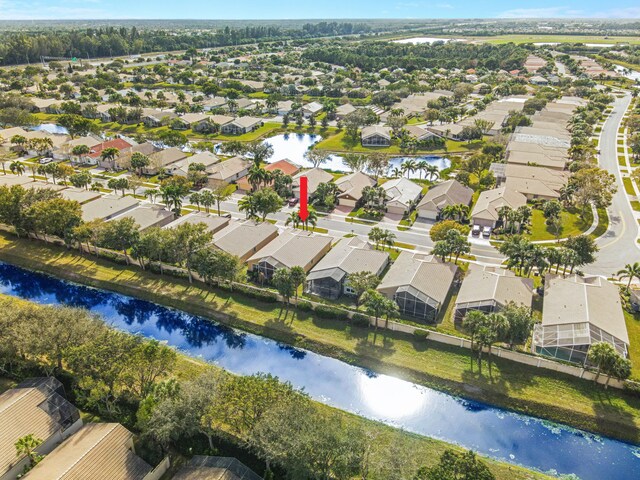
(148, 215)
(244, 239)
(452, 131)
(534, 154)
(489, 289)
(315, 177)
(94, 155)
(419, 132)
(46, 105)
(286, 166)
(533, 182)
(241, 125)
(351, 187)
(154, 117)
(35, 407)
(578, 312)
(441, 195)
(284, 107)
(98, 450)
(419, 284)
(228, 171)
(163, 159)
(195, 121)
(330, 277)
(215, 468)
(79, 195)
(485, 211)
(311, 109)
(289, 249)
(181, 167)
(344, 110)
(402, 195)
(375, 136)
(214, 223)
(539, 81)
(107, 207)
(214, 103)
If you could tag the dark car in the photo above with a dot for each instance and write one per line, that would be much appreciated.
(476, 230)
(293, 202)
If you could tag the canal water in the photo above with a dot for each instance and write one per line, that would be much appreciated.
(502, 434)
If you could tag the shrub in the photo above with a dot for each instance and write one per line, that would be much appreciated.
(304, 306)
(327, 311)
(421, 335)
(360, 320)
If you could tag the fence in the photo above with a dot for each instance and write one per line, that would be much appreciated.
(524, 358)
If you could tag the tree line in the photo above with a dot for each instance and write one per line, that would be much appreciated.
(136, 381)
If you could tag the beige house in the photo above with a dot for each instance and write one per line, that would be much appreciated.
(351, 187)
(290, 249)
(578, 312)
(148, 215)
(215, 468)
(315, 177)
(98, 450)
(181, 167)
(35, 407)
(228, 171)
(244, 239)
(214, 223)
(419, 284)
(107, 207)
(441, 195)
(489, 289)
(241, 125)
(79, 195)
(402, 195)
(485, 211)
(163, 159)
(330, 277)
(375, 136)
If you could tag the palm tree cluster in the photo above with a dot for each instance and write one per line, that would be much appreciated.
(607, 360)
(374, 199)
(382, 237)
(453, 245)
(514, 220)
(457, 212)
(295, 220)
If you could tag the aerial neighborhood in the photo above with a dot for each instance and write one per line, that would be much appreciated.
(209, 233)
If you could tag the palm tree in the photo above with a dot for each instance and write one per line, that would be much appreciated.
(151, 194)
(312, 218)
(629, 271)
(422, 167)
(396, 172)
(257, 176)
(601, 354)
(293, 219)
(17, 167)
(27, 446)
(409, 166)
(432, 172)
(109, 155)
(196, 199)
(247, 204)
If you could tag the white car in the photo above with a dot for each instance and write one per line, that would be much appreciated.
(486, 232)
(475, 231)
(45, 160)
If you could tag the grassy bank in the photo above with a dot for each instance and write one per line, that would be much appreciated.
(535, 391)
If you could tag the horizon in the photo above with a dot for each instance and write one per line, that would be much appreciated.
(199, 10)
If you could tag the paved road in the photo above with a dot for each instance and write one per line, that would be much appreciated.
(618, 245)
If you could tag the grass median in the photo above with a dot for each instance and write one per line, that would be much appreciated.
(515, 386)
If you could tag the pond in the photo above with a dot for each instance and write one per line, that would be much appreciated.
(294, 145)
(627, 72)
(51, 128)
(502, 434)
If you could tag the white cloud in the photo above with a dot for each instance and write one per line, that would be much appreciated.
(71, 10)
(567, 12)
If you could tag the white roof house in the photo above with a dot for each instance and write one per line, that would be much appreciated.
(402, 193)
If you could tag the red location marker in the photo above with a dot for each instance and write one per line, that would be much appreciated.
(304, 199)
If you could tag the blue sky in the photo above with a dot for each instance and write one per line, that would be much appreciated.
(270, 9)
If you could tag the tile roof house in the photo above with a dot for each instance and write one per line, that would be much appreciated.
(98, 450)
(441, 195)
(107, 207)
(375, 136)
(94, 154)
(578, 312)
(228, 171)
(485, 211)
(37, 407)
(351, 187)
(489, 289)
(163, 159)
(244, 239)
(402, 194)
(289, 249)
(315, 177)
(241, 125)
(419, 284)
(329, 278)
(181, 167)
(285, 165)
(214, 223)
(148, 215)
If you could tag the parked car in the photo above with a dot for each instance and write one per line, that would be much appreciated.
(475, 231)
(486, 232)
(45, 160)
(293, 202)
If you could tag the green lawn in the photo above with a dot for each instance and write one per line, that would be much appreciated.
(542, 38)
(628, 186)
(571, 222)
(622, 161)
(512, 385)
(635, 204)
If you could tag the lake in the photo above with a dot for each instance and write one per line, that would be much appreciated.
(294, 145)
(515, 438)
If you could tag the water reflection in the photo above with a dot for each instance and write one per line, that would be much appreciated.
(492, 431)
(294, 145)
